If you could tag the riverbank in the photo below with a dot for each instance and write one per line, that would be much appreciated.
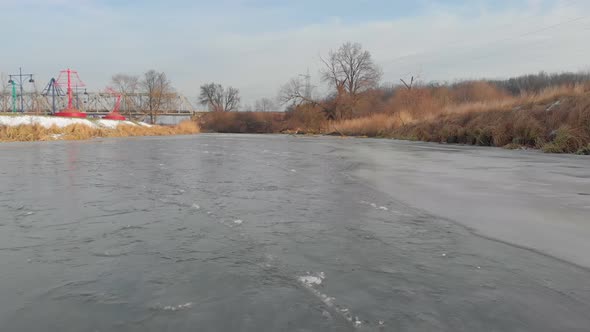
(554, 119)
(47, 128)
(557, 122)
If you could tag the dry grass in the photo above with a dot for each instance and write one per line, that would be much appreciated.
(555, 120)
(82, 132)
(376, 125)
(554, 125)
(507, 103)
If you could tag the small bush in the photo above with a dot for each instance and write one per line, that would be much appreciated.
(512, 146)
(243, 122)
(584, 151)
(567, 140)
(377, 125)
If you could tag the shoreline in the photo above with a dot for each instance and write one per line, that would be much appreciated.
(27, 128)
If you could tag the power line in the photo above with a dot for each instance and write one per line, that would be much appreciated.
(528, 33)
(307, 84)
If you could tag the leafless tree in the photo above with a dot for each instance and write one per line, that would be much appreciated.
(219, 99)
(264, 105)
(294, 92)
(247, 108)
(126, 85)
(159, 91)
(4, 93)
(350, 70)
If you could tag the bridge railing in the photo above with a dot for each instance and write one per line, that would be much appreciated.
(93, 102)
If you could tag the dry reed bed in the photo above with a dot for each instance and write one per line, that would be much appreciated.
(81, 132)
(556, 120)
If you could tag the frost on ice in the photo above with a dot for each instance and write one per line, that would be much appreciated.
(179, 307)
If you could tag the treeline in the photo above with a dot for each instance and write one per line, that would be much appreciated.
(548, 111)
(536, 83)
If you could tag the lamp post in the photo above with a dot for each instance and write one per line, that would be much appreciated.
(13, 84)
(20, 82)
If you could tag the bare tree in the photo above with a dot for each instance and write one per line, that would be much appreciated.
(350, 70)
(247, 108)
(159, 91)
(212, 96)
(4, 93)
(264, 105)
(219, 99)
(232, 99)
(126, 85)
(294, 92)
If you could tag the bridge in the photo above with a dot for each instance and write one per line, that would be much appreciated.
(96, 104)
(172, 107)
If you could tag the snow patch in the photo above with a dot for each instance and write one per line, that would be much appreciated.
(179, 307)
(61, 122)
(112, 124)
(44, 121)
(357, 322)
(375, 206)
(312, 280)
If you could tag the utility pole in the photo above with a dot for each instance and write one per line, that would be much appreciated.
(307, 84)
(20, 83)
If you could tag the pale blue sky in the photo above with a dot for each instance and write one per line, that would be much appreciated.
(256, 45)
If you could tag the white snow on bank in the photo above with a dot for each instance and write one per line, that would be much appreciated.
(50, 121)
(45, 121)
(112, 124)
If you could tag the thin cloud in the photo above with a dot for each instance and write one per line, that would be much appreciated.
(250, 48)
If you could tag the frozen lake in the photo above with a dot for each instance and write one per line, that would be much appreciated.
(283, 233)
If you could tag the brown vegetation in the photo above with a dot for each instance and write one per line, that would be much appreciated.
(243, 122)
(81, 132)
(554, 119)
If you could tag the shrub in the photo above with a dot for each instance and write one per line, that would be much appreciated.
(243, 122)
(567, 140)
(585, 150)
(377, 125)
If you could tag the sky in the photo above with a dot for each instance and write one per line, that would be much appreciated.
(258, 45)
